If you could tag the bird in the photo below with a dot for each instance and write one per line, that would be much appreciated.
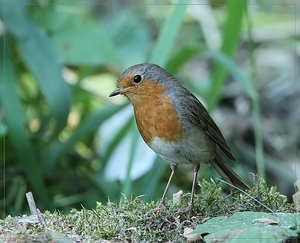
(175, 124)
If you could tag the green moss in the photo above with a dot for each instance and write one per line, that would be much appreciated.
(134, 219)
(262, 199)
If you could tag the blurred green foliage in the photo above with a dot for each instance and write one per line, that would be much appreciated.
(58, 63)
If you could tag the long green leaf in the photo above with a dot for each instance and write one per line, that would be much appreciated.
(181, 57)
(168, 34)
(128, 181)
(150, 181)
(232, 68)
(16, 126)
(78, 39)
(116, 140)
(231, 39)
(39, 57)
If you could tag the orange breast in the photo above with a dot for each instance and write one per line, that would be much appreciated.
(155, 114)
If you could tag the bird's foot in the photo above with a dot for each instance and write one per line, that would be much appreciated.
(188, 211)
(157, 210)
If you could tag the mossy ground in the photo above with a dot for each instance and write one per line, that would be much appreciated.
(132, 220)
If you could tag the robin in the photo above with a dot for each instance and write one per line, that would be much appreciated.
(174, 123)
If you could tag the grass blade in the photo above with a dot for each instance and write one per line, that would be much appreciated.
(168, 34)
(231, 67)
(149, 183)
(231, 39)
(181, 57)
(259, 149)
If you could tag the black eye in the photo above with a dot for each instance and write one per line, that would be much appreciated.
(137, 79)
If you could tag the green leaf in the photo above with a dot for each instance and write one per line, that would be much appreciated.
(116, 140)
(256, 112)
(36, 50)
(149, 183)
(117, 163)
(181, 57)
(128, 29)
(232, 68)
(15, 122)
(135, 137)
(168, 34)
(78, 39)
(250, 227)
(231, 39)
(3, 129)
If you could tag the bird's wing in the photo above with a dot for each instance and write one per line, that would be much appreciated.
(198, 115)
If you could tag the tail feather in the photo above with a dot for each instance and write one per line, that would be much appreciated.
(228, 174)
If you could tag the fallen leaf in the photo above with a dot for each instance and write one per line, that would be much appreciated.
(296, 196)
(132, 228)
(191, 237)
(177, 197)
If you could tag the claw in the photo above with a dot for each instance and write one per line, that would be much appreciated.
(188, 211)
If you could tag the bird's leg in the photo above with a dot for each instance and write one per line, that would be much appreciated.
(191, 203)
(163, 199)
(189, 209)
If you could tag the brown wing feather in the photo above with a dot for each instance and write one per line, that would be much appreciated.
(200, 117)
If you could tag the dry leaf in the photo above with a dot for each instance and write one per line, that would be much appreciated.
(296, 196)
(177, 197)
(132, 229)
(191, 237)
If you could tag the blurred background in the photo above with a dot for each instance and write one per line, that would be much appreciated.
(62, 138)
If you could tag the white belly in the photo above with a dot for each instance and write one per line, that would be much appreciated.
(194, 149)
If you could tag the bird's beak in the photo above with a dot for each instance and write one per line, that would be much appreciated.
(117, 91)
